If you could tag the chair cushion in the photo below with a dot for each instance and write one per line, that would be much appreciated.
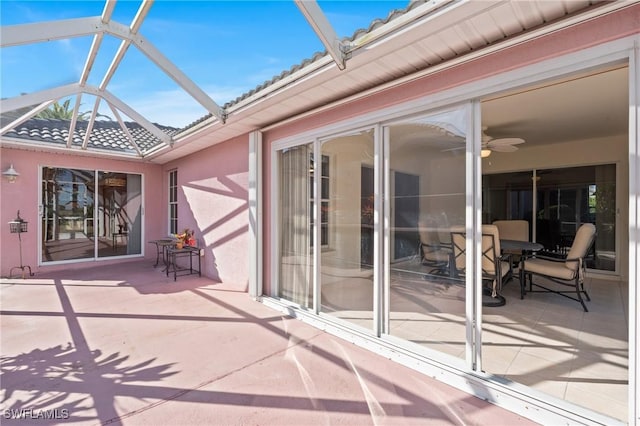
(513, 229)
(550, 268)
(581, 242)
(435, 254)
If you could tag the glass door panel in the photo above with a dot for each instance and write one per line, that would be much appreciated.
(346, 276)
(67, 214)
(569, 197)
(119, 214)
(426, 185)
(507, 196)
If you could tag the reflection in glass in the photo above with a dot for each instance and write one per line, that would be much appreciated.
(71, 218)
(572, 196)
(119, 214)
(67, 214)
(346, 259)
(426, 181)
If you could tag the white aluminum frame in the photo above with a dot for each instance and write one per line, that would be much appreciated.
(517, 398)
(95, 257)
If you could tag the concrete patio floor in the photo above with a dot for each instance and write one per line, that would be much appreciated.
(126, 345)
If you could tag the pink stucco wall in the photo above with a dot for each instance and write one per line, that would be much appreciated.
(213, 201)
(603, 29)
(23, 195)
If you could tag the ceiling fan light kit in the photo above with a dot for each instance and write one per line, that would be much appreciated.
(490, 144)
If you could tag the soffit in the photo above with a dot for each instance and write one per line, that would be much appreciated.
(422, 38)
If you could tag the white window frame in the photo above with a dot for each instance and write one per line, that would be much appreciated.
(172, 174)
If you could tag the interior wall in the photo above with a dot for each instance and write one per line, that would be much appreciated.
(24, 195)
(609, 150)
(346, 156)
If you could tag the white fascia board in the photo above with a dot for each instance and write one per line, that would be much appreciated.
(322, 27)
(123, 32)
(15, 35)
(25, 117)
(23, 101)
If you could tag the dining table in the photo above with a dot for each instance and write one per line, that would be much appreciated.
(525, 247)
(526, 250)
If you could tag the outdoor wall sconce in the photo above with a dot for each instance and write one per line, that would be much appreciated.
(18, 226)
(11, 174)
(485, 153)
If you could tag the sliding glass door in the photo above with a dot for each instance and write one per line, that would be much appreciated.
(88, 214)
(425, 195)
(67, 214)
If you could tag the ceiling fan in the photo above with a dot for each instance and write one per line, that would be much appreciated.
(490, 144)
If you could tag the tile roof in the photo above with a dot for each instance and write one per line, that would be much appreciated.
(106, 135)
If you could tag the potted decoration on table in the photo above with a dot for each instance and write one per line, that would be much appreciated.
(186, 238)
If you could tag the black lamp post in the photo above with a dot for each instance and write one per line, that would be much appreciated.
(18, 226)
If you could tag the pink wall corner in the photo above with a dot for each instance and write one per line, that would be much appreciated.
(213, 201)
(23, 195)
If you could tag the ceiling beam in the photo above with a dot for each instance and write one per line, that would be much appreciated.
(150, 51)
(134, 115)
(133, 143)
(322, 27)
(25, 117)
(15, 35)
(74, 120)
(92, 120)
(34, 98)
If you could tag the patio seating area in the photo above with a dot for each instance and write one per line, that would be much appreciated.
(131, 346)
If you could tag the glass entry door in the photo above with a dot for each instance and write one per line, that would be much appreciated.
(87, 214)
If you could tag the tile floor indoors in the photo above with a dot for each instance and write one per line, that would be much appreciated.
(544, 341)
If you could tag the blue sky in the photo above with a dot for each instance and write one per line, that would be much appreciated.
(226, 47)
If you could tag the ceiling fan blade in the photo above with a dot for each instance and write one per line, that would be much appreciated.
(503, 148)
(505, 141)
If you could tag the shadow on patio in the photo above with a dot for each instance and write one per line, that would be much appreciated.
(128, 346)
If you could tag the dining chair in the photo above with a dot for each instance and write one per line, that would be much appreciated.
(569, 271)
(513, 229)
(517, 230)
(496, 267)
(434, 253)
